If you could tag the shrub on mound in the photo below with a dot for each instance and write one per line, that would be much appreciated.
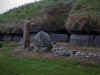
(84, 17)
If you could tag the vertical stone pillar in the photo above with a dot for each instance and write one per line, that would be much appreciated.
(26, 34)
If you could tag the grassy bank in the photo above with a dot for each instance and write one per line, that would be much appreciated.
(18, 66)
(30, 10)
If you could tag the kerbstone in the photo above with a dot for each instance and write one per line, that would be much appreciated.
(81, 40)
(97, 41)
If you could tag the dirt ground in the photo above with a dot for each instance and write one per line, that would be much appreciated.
(36, 55)
(20, 52)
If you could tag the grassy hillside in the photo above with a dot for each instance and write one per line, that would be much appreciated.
(85, 16)
(46, 14)
(87, 6)
(30, 10)
(53, 14)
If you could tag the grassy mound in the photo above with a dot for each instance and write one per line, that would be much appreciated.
(46, 15)
(51, 15)
(85, 16)
(30, 10)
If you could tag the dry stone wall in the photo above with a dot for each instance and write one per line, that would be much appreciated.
(11, 38)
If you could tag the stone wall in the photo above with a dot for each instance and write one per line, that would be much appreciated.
(97, 41)
(59, 37)
(85, 40)
(10, 38)
(54, 37)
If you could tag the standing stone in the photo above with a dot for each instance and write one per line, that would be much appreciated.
(26, 34)
(42, 42)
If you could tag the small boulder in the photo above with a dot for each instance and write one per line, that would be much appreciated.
(61, 51)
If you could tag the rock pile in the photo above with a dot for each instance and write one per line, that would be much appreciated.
(88, 57)
(81, 56)
(61, 51)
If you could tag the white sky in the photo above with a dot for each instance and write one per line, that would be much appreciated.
(5, 5)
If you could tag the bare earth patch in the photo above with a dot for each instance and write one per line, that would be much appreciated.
(21, 53)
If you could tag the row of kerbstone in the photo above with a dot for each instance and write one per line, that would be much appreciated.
(11, 38)
(59, 37)
(85, 40)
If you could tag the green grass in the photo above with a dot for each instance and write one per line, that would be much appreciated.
(34, 9)
(29, 10)
(13, 20)
(10, 65)
(87, 7)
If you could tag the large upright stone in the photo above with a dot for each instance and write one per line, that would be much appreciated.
(42, 42)
(26, 34)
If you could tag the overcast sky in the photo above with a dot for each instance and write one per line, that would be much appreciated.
(5, 5)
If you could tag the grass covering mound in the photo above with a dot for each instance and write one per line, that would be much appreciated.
(46, 14)
(30, 10)
(85, 16)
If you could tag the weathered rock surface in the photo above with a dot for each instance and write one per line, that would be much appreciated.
(97, 41)
(61, 51)
(59, 37)
(85, 40)
(11, 38)
(79, 40)
(84, 17)
(87, 57)
(42, 42)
